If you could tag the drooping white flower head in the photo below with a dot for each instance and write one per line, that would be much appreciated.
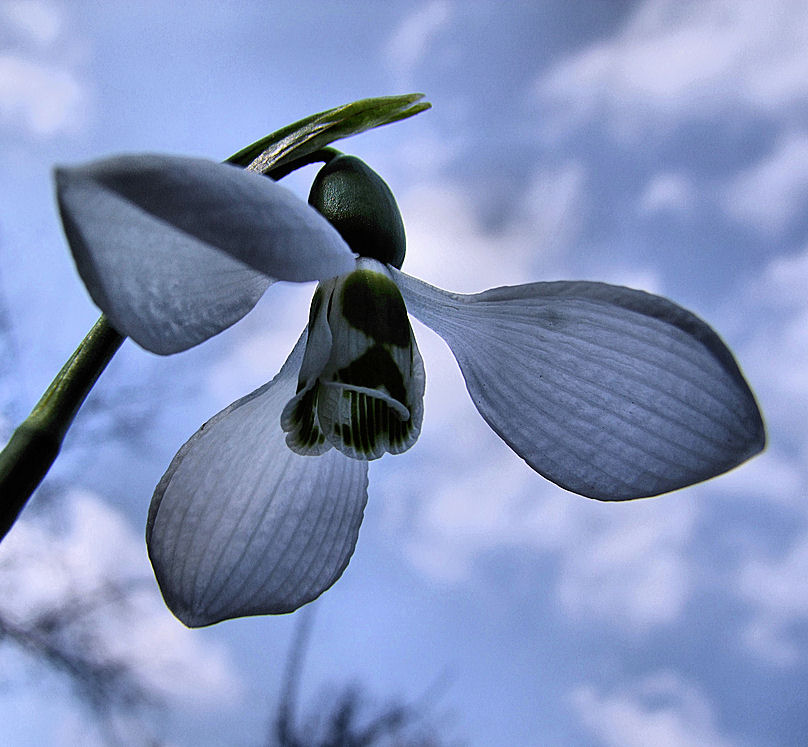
(609, 392)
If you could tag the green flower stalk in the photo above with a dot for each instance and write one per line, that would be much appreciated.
(35, 444)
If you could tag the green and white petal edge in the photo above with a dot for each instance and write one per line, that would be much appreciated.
(241, 525)
(174, 249)
(361, 384)
(609, 392)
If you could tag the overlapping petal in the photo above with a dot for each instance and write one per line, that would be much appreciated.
(241, 525)
(609, 392)
(174, 249)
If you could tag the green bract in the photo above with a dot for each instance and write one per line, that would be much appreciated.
(306, 136)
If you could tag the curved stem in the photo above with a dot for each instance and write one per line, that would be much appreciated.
(35, 444)
(324, 155)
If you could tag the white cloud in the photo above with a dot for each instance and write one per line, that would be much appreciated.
(776, 354)
(775, 587)
(667, 193)
(410, 42)
(44, 98)
(448, 246)
(255, 348)
(636, 572)
(661, 709)
(553, 207)
(40, 88)
(479, 497)
(39, 22)
(774, 191)
(84, 562)
(782, 284)
(787, 277)
(772, 476)
(421, 156)
(474, 505)
(642, 278)
(676, 61)
(770, 578)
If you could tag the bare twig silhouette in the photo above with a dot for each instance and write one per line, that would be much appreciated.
(347, 718)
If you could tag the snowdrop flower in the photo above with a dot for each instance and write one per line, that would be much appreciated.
(609, 392)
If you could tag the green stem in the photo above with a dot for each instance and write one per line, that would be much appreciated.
(36, 442)
(324, 155)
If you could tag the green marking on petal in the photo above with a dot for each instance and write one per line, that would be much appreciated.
(303, 434)
(368, 426)
(343, 432)
(316, 305)
(375, 368)
(372, 303)
(361, 383)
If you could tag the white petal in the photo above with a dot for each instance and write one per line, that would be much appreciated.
(174, 250)
(609, 392)
(241, 525)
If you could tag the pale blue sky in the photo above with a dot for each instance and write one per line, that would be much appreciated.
(659, 144)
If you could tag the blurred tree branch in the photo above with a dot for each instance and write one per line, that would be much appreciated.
(346, 718)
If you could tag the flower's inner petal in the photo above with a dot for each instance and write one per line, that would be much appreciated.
(367, 408)
(368, 397)
(300, 423)
(241, 525)
(609, 392)
(299, 416)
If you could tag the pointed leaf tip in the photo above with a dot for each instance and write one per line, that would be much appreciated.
(312, 133)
